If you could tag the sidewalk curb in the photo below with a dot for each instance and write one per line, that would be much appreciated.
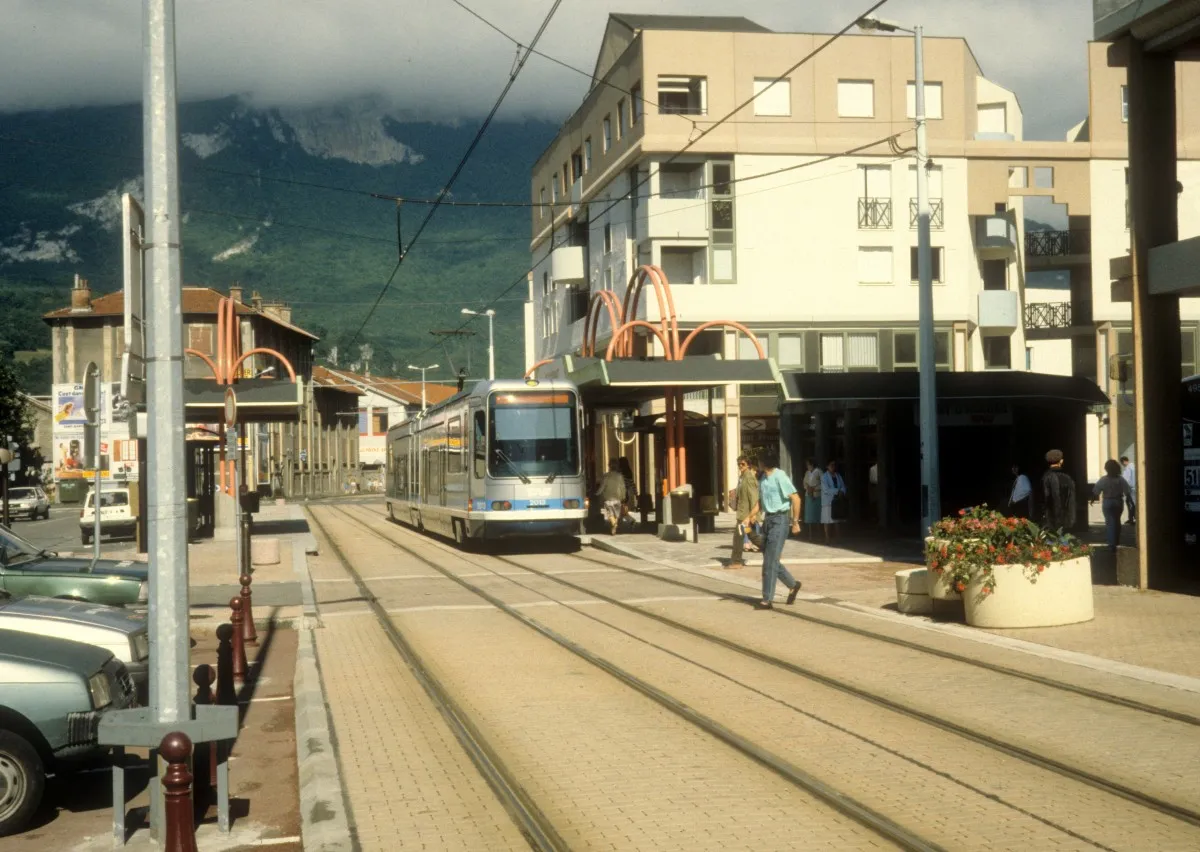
(1035, 649)
(324, 821)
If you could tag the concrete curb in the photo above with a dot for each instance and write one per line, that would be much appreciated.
(324, 811)
(1049, 652)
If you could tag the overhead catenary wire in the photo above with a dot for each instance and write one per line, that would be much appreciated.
(462, 163)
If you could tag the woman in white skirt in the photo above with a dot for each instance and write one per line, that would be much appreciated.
(832, 485)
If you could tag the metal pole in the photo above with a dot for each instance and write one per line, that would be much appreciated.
(491, 347)
(4, 492)
(422, 388)
(167, 487)
(931, 499)
(98, 414)
(234, 453)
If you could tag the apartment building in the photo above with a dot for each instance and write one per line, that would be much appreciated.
(796, 217)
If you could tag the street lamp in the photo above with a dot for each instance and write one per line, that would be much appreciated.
(931, 500)
(423, 369)
(490, 314)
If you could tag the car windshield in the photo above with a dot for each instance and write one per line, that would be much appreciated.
(14, 549)
(110, 498)
(533, 434)
(21, 493)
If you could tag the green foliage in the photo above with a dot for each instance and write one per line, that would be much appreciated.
(15, 417)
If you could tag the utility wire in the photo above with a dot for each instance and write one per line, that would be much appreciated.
(462, 163)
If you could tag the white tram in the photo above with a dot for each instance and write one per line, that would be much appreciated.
(501, 459)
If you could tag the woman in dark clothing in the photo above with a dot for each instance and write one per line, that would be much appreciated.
(1113, 490)
(631, 503)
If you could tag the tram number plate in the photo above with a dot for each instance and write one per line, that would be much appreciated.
(538, 504)
(1191, 477)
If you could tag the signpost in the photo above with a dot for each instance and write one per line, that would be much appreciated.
(133, 359)
(231, 451)
(91, 442)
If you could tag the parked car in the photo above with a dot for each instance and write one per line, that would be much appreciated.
(28, 501)
(28, 570)
(122, 632)
(53, 693)
(117, 517)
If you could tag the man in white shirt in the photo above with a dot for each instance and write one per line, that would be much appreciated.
(1020, 500)
(1129, 474)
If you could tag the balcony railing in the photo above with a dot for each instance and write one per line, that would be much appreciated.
(937, 217)
(874, 213)
(1048, 315)
(718, 393)
(1057, 243)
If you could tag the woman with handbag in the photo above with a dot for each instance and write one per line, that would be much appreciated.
(812, 496)
(833, 500)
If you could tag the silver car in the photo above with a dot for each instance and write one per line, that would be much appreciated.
(28, 502)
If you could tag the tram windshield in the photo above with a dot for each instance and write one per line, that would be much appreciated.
(533, 434)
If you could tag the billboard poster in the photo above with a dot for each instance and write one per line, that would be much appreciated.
(69, 421)
(69, 416)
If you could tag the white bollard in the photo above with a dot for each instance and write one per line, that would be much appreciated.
(912, 591)
(264, 551)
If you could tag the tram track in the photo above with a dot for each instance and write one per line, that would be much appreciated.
(844, 804)
(1027, 755)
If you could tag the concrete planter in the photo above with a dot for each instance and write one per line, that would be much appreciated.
(939, 584)
(912, 591)
(1061, 595)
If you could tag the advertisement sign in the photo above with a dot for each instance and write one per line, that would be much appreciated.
(69, 458)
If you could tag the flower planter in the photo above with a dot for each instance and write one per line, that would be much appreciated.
(1061, 595)
(940, 588)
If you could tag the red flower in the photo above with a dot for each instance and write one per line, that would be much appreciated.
(1041, 568)
(960, 586)
(962, 513)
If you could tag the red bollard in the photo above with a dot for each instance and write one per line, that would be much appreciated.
(239, 645)
(248, 632)
(204, 677)
(180, 832)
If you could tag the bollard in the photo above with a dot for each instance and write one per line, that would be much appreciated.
(249, 635)
(239, 645)
(175, 749)
(226, 691)
(204, 677)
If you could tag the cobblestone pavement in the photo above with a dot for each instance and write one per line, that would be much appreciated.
(612, 769)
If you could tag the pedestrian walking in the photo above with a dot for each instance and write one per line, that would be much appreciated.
(612, 494)
(630, 504)
(812, 496)
(1020, 499)
(1058, 489)
(1112, 490)
(833, 497)
(779, 506)
(745, 498)
(1129, 474)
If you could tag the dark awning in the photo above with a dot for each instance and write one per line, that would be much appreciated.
(258, 401)
(630, 383)
(1005, 385)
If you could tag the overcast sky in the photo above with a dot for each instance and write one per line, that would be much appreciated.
(433, 58)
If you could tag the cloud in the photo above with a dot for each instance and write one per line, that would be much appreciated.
(432, 59)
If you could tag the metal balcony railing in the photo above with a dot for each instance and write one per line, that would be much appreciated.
(702, 395)
(874, 213)
(1048, 315)
(1057, 243)
(937, 216)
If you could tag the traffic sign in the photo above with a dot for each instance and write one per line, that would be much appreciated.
(230, 407)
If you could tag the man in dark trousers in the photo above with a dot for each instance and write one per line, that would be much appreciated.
(745, 496)
(1059, 491)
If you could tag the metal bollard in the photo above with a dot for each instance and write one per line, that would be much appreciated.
(175, 749)
(239, 644)
(249, 635)
(226, 690)
(204, 677)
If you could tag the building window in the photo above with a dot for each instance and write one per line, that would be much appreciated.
(379, 421)
(935, 258)
(721, 222)
(1187, 346)
(607, 133)
(608, 278)
(577, 165)
(1043, 177)
(906, 351)
(933, 100)
(566, 180)
(683, 265)
(875, 203)
(746, 349)
(607, 238)
(1124, 103)
(992, 118)
(856, 98)
(621, 119)
(995, 274)
(875, 265)
(789, 350)
(937, 213)
(635, 103)
(545, 285)
(587, 155)
(1018, 177)
(542, 202)
(635, 183)
(772, 99)
(682, 95)
(681, 181)
(997, 353)
(362, 422)
(554, 191)
(851, 351)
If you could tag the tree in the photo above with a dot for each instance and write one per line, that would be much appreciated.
(16, 420)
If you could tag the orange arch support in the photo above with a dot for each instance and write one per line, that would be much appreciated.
(206, 360)
(722, 323)
(287, 365)
(628, 328)
(533, 370)
(591, 324)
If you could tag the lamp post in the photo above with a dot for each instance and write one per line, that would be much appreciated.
(490, 314)
(931, 499)
(423, 369)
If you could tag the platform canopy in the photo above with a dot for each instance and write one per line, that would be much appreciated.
(629, 383)
(258, 401)
(996, 386)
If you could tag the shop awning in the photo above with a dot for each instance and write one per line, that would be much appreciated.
(802, 387)
(630, 383)
(258, 401)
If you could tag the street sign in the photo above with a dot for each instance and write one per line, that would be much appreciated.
(15, 450)
(133, 359)
(230, 407)
(304, 456)
(91, 408)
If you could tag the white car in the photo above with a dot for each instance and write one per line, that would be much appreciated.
(121, 632)
(28, 502)
(117, 515)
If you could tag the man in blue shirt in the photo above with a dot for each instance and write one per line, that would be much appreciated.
(779, 508)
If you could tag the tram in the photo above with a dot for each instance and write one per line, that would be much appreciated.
(499, 460)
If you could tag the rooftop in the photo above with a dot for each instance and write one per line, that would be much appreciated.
(699, 23)
(405, 392)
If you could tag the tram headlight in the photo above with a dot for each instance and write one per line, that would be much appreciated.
(501, 505)
(570, 504)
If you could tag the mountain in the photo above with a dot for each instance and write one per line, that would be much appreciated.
(278, 200)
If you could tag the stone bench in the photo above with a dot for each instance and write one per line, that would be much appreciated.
(912, 591)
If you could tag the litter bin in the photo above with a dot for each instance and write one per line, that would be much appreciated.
(193, 517)
(251, 501)
(72, 490)
(681, 506)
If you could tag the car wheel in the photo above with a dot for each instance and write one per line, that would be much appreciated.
(22, 781)
(87, 538)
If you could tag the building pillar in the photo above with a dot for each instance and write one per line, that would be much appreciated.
(853, 470)
(822, 428)
(788, 445)
(883, 461)
(1153, 205)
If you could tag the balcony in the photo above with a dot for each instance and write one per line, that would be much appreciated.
(996, 236)
(677, 216)
(874, 213)
(1056, 248)
(937, 217)
(566, 264)
(998, 310)
(1047, 315)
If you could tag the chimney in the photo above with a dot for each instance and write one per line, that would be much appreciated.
(235, 293)
(285, 312)
(81, 295)
(256, 301)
